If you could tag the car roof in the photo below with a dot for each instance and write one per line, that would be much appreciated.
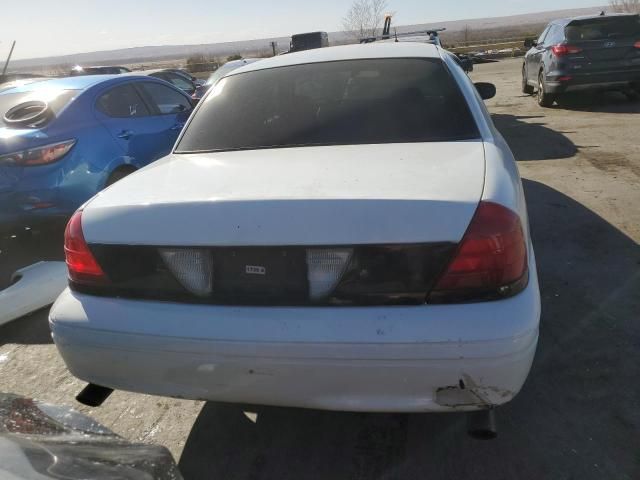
(100, 66)
(240, 62)
(81, 82)
(346, 52)
(146, 72)
(567, 21)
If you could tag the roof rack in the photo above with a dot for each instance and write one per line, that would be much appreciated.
(431, 33)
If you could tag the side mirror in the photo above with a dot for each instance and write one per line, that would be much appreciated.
(486, 90)
(530, 42)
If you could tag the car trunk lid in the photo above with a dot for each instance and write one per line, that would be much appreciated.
(335, 195)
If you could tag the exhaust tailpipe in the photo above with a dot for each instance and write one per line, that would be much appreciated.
(93, 395)
(481, 425)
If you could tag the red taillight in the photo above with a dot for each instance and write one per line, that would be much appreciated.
(561, 50)
(637, 44)
(82, 266)
(491, 260)
(39, 155)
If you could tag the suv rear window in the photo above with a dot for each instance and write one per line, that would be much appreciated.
(333, 103)
(603, 28)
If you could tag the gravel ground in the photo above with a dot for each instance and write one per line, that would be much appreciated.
(576, 418)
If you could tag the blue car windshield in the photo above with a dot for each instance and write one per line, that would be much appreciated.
(56, 100)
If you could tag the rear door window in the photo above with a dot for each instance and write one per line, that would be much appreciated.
(165, 99)
(555, 35)
(373, 101)
(175, 80)
(543, 35)
(122, 101)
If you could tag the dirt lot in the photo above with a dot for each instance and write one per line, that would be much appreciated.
(578, 416)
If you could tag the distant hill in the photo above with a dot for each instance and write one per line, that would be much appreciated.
(247, 47)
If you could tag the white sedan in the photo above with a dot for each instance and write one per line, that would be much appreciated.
(341, 229)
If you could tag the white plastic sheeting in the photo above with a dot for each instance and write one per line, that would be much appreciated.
(32, 288)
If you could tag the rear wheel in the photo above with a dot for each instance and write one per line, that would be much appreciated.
(526, 88)
(119, 174)
(544, 99)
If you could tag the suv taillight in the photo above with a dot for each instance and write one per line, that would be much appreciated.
(83, 267)
(491, 260)
(637, 44)
(562, 50)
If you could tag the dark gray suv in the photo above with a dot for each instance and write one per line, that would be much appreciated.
(584, 53)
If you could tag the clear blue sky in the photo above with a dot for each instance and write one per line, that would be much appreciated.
(54, 27)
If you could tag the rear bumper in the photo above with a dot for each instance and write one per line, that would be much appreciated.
(591, 81)
(396, 359)
(35, 200)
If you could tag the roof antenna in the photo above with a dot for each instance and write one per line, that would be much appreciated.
(396, 32)
(602, 13)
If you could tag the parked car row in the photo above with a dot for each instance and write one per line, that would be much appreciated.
(97, 70)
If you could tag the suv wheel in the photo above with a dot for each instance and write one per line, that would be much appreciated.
(526, 88)
(544, 99)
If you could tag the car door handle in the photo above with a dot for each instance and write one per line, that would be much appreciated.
(178, 126)
(125, 134)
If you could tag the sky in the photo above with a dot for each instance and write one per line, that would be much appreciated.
(45, 28)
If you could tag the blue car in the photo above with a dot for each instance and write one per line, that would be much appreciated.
(63, 140)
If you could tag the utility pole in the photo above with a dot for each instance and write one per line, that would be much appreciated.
(4, 70)
(274, 44)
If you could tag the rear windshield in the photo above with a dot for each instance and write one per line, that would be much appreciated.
(55, 99)
(603, 28)
(333, 103)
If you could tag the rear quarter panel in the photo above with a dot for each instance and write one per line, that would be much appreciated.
(87, 166)
(502, 182)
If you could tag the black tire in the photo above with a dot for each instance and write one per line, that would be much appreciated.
(118, 175)
(544, 99)
(526, 88)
